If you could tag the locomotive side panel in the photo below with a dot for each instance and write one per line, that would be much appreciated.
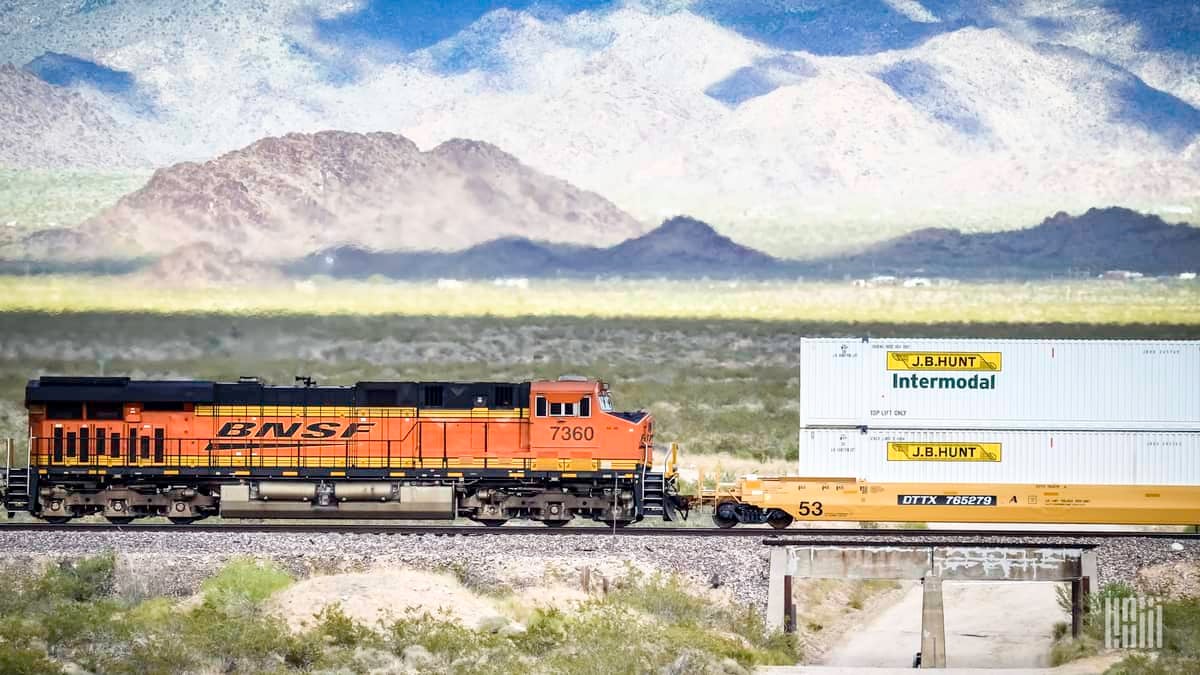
(378, 449)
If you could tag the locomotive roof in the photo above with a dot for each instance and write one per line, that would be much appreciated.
(52, 389)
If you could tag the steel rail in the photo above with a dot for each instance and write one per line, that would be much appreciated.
(800, 535)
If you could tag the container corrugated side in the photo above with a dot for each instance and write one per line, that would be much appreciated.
(1010, 384)
(1003, 456)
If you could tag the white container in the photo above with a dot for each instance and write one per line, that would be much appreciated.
(1000, 384)
(1001, 456)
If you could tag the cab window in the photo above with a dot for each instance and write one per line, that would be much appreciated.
(540, 406)
(585, 406)
(562, 409)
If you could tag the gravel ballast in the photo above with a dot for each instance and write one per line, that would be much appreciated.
(174, 563)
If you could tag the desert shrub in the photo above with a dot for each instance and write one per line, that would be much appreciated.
(1154, 664)
(610, 638)
(159, 653)
(237, 636)
(776, 647)
(339, 629)
(440, 636)
(81, 580)
(79, 626)
(248, 579)
(545, 630)
(662, 596)
(1181, 627)
(1067, 650)
(20, 629)
(303, 652)
(19, 660)
(668, 620)
(454, 648)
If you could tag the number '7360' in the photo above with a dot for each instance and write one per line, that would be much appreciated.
(568, 433)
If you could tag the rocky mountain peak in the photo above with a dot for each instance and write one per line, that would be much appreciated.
(469, 153)
(48, 127)
(287, 196)
(686, 227)
(683, 237)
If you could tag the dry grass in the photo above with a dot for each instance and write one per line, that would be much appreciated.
(1071, 302)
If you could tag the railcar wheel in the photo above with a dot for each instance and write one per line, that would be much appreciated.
(724, 515)
(779, 519)
(119, 520)
(617, 523)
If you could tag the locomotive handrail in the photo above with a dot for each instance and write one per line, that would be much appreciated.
(671, 463)
(251, 453)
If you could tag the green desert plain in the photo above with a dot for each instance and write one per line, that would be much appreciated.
(714, 361)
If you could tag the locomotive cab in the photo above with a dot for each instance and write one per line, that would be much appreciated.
(574, 422)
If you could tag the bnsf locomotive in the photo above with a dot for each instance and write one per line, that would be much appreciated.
(489, 451)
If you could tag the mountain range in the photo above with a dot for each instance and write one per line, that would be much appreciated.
(282, 198)
(805, 127)
(355, 205)
(1061, 246)
(679, 247)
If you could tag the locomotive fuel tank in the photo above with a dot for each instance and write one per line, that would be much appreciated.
(304, 499)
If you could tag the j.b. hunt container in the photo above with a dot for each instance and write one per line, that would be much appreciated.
(1000, 384)
(1002, 456)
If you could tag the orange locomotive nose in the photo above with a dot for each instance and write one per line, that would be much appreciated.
(574, 420)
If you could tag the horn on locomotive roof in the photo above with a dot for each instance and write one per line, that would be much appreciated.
(306, 381)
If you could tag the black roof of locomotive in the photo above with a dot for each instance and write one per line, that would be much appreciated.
(53, 389)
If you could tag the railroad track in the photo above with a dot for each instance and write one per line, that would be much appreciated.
(804, 535)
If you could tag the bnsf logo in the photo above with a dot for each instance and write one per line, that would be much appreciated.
(280, 430)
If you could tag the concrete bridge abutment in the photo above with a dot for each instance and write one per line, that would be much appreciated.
(932, 564)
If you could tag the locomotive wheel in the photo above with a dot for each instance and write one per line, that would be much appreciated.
(119, 520)
(616, 523)
(555, 523)
(493, 522)
(182, 520)
(724, 515)
(57, 520)
(779, 519)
